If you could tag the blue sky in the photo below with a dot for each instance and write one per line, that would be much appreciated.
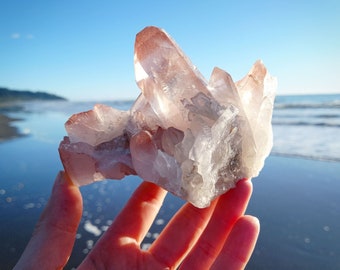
(83, 50)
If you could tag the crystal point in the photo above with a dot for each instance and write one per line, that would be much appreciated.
(194, 138)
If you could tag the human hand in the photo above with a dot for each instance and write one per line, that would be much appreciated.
(217, 237)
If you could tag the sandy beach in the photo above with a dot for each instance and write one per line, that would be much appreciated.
(7, 131)
(297, 203)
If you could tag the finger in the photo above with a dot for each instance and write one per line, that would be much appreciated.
(129, 228)
(229, 208)
(239, 246)
(180, 234)
(136, 218)
(54, 235)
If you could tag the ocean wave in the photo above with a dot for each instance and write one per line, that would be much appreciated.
(311, 116)
(306, 156)
(312, 105)
(301, 138)
(327, 116)
(308, 101)
(304, 123)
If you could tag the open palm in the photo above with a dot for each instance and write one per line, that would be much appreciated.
(217, 237)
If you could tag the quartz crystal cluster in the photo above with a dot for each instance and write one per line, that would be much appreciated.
(194, 138)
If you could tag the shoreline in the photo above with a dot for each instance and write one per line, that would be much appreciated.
(7, 131)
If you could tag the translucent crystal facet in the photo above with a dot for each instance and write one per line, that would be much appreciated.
(194, 138)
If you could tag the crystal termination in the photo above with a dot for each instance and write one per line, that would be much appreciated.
(194, 138)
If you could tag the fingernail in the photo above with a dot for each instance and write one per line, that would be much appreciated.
(68, 179)
(62, 178)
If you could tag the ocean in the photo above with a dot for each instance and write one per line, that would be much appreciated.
(296, 196)
(307, 126)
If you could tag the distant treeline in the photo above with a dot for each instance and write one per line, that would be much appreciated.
(17, 95)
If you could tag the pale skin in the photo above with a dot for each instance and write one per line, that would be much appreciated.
(217, 237)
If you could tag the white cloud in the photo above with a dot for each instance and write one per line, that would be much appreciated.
(15, 35)
(18, 35)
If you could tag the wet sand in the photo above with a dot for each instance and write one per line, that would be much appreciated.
(7, 127)
(7, 131)
(298, 204)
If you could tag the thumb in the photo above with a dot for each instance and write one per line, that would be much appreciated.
(53, 238)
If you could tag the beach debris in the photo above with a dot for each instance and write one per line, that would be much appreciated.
(194, 138)
(91, 228)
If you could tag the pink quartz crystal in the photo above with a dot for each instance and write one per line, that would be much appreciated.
(193, 138)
